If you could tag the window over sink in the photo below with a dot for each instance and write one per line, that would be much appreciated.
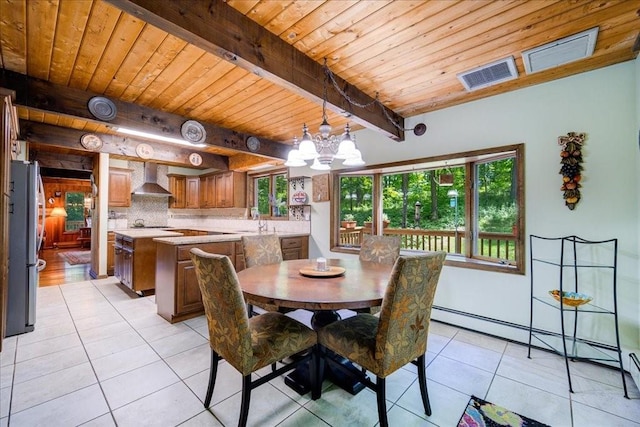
(270, 194)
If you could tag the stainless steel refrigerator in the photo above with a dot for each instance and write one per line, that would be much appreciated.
(26, 212)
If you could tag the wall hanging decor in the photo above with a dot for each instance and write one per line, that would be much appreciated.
(571, 169)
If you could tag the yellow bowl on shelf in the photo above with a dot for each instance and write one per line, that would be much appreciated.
(572, 299)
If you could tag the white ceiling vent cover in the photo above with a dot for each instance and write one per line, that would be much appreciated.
(489, 74)
(559, 52)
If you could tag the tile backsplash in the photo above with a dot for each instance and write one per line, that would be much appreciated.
(153, 210)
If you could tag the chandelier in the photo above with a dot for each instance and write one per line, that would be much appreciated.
(323, 148)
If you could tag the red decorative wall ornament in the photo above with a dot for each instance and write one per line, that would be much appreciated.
(571, 169)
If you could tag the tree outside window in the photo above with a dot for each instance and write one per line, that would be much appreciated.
(467, 204)
(271, 195)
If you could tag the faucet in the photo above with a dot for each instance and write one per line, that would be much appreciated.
(262, 225)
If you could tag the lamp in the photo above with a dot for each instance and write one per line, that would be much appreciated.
(58, 212)
(323, 147)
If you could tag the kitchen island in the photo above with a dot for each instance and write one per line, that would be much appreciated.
(135, 257)
(177, 291)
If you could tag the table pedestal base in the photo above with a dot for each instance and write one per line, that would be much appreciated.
(298, 379)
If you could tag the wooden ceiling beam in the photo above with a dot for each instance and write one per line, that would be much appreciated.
(41, 134)
(51, 98)
(221, 30)
(52, 160)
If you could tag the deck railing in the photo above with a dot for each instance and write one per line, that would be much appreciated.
(493, 245)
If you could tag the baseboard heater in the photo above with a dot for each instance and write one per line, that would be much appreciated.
(634, 365)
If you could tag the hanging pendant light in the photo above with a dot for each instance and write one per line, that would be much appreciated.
(323, 147)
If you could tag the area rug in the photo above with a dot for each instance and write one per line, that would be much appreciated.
(76, 257)
(480, 413)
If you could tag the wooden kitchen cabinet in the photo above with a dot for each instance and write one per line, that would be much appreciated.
(231, 190)
(239, 259)
(208, 191)
(134, 262)
(223, 190)
(192, 197)
(177, 187)
(178, 293)
(294, 247)
(111, 252)
(119, 187)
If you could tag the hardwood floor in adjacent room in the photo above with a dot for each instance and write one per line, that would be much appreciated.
(58, 271)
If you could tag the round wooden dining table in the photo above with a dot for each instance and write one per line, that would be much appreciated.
(362, 285)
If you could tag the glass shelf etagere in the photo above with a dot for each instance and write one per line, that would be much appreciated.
(564, 253)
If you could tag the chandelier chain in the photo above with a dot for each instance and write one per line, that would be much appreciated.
(376, 100)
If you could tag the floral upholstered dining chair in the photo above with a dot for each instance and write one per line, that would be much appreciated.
(262, 250)
(384, 344)
(382, 249)
(247, 344)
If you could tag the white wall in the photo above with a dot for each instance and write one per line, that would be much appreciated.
(601, 103)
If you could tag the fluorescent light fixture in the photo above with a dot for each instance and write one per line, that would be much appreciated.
(156, 137)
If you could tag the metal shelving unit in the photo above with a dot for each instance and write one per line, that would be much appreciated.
(565, 254)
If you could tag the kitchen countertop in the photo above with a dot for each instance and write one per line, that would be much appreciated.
(234, 237)
(136, 233)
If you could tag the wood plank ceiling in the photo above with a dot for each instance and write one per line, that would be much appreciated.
(171, 67)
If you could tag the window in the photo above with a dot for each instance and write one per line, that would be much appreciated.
(356, 208)
(468, 204)
(74, 205)
(271, 195)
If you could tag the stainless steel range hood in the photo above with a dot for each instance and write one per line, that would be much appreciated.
(151, 186)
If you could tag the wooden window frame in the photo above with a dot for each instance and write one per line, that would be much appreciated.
(467, 259)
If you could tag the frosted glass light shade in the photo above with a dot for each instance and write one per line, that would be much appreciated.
(354, 161)
(346, 149)
(320, 166)
(307, 149)
(294, 159)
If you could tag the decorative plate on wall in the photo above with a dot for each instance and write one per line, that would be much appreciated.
(102, 108)
(195, 159)
(193, 132)
(145, 151)
(91, 142)
(300, 197)
(253, 144)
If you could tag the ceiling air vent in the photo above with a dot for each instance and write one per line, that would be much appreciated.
(489, 75)
(559, 52)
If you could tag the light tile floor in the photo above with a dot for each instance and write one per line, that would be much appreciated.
(102, 357)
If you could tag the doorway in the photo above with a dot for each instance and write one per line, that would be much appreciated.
(64, 266)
